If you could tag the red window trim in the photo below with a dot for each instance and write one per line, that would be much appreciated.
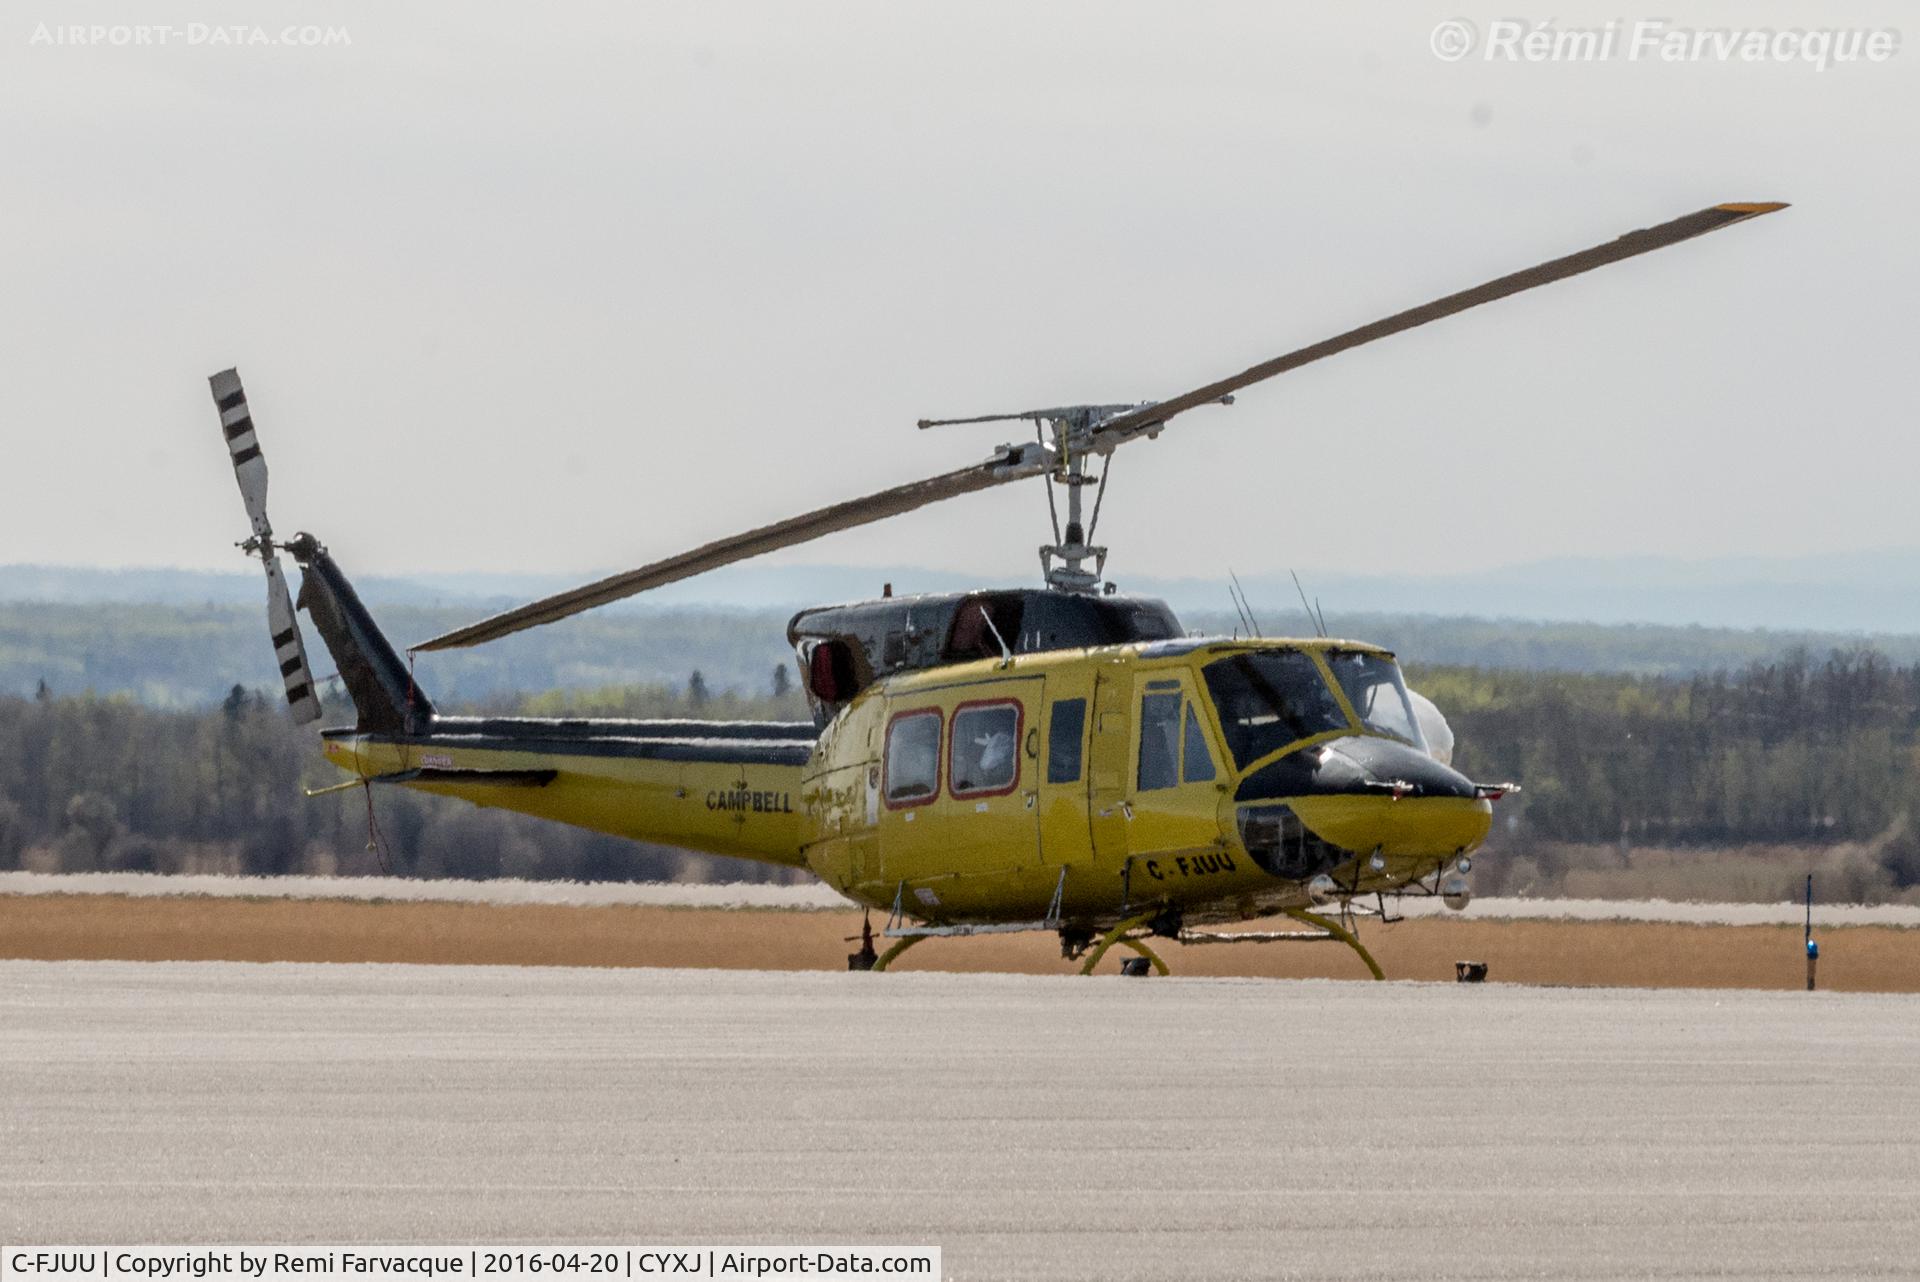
(886, 755)
(1019, 723)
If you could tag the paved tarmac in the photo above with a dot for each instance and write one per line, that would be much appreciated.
(1031, 1126)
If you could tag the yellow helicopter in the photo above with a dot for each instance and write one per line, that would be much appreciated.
(1060, 759)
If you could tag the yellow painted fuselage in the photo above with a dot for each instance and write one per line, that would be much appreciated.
(979, 792)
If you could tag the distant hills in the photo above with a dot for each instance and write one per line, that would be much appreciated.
(1874, 592)
(183, 638)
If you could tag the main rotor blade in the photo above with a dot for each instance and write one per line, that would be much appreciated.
(800, 529)
(1628, 246)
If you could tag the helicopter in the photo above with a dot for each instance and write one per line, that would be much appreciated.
(1061, 758)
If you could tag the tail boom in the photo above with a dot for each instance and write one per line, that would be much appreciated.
(716, 787)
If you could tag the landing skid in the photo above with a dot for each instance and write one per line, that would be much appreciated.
(1327, 931)
(1130, 934)
(906, 936)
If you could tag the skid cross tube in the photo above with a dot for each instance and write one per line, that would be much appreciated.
(1113, 937)
(1336, 931)
(900, 945)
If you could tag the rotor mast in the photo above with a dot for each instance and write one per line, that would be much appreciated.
(1066, 440)
(1063, 561)
(1077, 436)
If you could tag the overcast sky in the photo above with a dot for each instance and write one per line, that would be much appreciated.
(570, 288)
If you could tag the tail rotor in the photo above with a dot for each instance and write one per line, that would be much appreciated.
(250, 470)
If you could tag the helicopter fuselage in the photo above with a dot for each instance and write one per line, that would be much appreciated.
(1114, 779)
(1218, 780)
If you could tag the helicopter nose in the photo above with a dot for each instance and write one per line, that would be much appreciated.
(1358, 765)
(1322, 806)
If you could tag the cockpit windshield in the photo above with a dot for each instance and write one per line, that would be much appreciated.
(1373, 686)
(1267, 699)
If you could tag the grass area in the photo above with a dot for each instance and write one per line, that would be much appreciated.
(1628, 954)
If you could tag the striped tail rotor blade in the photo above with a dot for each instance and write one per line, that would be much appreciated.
(288, 651)
(249, 467)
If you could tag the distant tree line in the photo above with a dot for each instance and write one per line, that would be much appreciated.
(91, 784)
(1799, 750)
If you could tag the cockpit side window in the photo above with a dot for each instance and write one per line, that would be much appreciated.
(1196, 762)
(1267, 699)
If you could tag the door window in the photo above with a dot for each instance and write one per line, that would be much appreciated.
(1159, 741)
(1173, 749)
(913, 757)
(1065, 733)
(984, 757)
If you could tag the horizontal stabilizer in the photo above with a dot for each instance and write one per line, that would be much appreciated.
(448, 775)
(452, 774)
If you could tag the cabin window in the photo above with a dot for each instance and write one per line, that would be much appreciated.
(913, 757)
(984, 757)
(1159, 741)
(1196, 763)
(1065, 735)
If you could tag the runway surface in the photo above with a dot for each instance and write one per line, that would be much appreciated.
(1030, 1126)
